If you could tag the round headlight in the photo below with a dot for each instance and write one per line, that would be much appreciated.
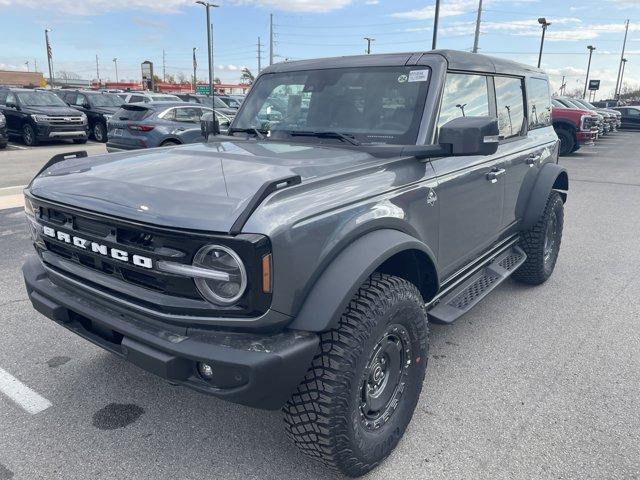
(225, 291)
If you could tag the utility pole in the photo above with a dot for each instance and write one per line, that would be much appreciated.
(259, 56)
(435, 25)
(543, 22)
(35, 65)
(49, 56)
(271, 39)
(208, 7)
(562, 85)
(369, 40)
(195, 66)
(164, 66)
(27, 64)
(97, 70)
(624, 45)
(478, 20)
(586, 80)
(115, 61)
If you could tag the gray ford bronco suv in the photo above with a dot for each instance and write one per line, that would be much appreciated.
(296, 262)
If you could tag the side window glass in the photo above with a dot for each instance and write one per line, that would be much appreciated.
(510, 106)
(3, 98)
(135, 98)
(11, 98)
(70, 98)
(80, 100)
(539, 103)
(188, 115)
(633, 112)
(464, 96)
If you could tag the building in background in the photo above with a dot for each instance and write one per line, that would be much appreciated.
(17, 78)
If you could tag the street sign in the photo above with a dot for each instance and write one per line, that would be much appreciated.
(147, 75)
(594, 84)
(203, 89)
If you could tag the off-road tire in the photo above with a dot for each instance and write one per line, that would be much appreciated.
(324, 416)
(29, 136)
(537, 268)
(567, 142)
(99, 132)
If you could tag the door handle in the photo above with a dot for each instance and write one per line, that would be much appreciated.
(533, 159)
(493, 175)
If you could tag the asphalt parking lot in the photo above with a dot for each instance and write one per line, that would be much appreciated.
(539, 382)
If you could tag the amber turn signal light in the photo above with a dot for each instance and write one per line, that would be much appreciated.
(266, 274)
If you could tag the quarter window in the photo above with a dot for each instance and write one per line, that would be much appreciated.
(464, 96)
(539, 103)
(510, 106)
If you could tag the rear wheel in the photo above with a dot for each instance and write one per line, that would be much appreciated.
(29, 137)
(541, 243)
(359, 395)
(567, 142)
(168, 143)
(99, 132)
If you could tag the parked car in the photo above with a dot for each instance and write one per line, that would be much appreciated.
(615, 117)
(230, 101)
(296, 265)
(146, 97)
(154, 124)
(37, 115)
(574, 127)
(97, 106)
(630, 117)
(4, 136)
(217, 104)
(602, 124)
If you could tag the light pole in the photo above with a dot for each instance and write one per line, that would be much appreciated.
(195, 65)
(436, 17)
(586, 80)
(543, 22)
(624, 63)
(27, 64)
(115, 62)
(208, 7)
(49, 55)
(369, 40)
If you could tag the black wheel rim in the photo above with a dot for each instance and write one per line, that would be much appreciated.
(28, 135)
(97, 132)
(385, 377)
(551, 239)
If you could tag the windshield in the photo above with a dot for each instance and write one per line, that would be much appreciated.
(40, 99)
(106, 100)
(374, 105)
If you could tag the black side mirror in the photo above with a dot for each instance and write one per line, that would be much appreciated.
(87, 106)
(470, 136)
(12, 105)
(209, 125)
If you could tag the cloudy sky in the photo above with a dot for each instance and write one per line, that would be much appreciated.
(137, 30)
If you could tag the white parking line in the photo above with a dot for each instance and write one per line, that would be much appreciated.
(19, 147)
(23, 396)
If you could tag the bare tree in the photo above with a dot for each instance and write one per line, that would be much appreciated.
(247, 77)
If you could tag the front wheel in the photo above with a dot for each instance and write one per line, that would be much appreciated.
(29, 137)
(99, 132)
(567, 143)
(359, 395)
(541, 243)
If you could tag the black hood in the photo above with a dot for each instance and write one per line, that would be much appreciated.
(200, 186)
(52, 111)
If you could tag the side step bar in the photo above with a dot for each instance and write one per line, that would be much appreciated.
(465, 296)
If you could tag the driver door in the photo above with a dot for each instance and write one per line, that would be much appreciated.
(470, 189)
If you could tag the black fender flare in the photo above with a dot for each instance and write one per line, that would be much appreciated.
(339, 282)
(551, 177)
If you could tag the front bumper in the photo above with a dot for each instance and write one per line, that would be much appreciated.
(55, 132)
(587, 137)
(258, 370)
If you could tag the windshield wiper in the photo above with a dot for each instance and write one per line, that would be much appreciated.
(253, 130)
(341, 136)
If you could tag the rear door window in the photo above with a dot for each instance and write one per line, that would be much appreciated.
(539, 100)
(136, 98)
(510, 106)
(464, 95)
(188, 114)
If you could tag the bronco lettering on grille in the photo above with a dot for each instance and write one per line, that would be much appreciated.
(95, 247)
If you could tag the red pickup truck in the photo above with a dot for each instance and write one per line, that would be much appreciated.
(574, 128)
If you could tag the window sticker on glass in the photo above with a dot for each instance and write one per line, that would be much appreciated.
(418, 75)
